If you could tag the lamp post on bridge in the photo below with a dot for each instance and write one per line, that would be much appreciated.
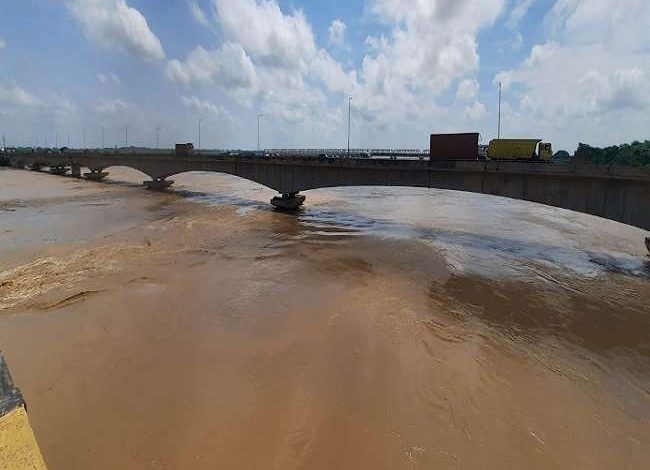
(499, 124)
(158, 137)
(259, 117)
(349, 121)
(200, 121)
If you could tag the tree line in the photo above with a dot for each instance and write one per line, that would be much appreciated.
(634, 154)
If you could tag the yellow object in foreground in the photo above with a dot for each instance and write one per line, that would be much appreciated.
(18, 447)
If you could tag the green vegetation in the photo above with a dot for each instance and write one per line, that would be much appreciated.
(634, 154)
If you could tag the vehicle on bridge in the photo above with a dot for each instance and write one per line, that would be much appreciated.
(463, 146)
(184, 149)
(520, 149)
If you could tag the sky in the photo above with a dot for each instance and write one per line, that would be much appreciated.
(130, 70)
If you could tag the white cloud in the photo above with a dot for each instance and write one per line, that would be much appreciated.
(475, 111)
(16, 96)
(518, 13)
(112, 106)
(108, 79)
(266, 54)
(202, 106)
(198, 14)
(590, 82)
(431, 45)
(271, 37)
(467, 90)
(271, 58)
(114, 25)
(337, 33)
(3, 44)
(229, 65)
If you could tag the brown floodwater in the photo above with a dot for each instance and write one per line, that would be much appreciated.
(378, 328)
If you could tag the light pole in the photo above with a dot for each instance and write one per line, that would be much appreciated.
(126, 135)
(200, 121)
(103, 144)
(499, 125)
(259, 117)
(84, 137)
(157, 137)
(349, 121)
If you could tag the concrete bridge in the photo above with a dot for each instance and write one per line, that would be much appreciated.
(617, 193)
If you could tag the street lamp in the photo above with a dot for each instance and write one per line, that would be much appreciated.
(157, 137)
(499, 125)
(200, 121)
(259, 117)
(349, 121)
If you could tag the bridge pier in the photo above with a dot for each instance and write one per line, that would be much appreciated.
(289, 202)
(35, 167)
(158, 184)
(58, 170)
(96, 174)
(75, 170)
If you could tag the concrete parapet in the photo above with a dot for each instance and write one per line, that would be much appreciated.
(18, 447)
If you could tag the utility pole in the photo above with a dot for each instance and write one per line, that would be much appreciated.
(499, 125)
(56, 139)
(84, 138)
(200, 121)
(3, 142)
(157, 137)
(349, 121)
(102, 132)
(259, 117)
(126, 135)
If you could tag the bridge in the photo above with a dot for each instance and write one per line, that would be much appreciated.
(617, 193)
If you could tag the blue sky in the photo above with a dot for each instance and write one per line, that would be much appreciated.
(573, 71)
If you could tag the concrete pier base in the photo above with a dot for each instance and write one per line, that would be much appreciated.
(158, 184)
(96, 175)
(75, 170)
(289, 202)
(35, 167)
(58, 170)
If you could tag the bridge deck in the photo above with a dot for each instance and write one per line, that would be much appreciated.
(613, 192)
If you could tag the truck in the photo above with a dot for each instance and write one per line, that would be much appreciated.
(454, 146)
(520, 149)
(184, 149)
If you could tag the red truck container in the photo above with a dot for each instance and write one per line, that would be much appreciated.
(454, 146)
(184, 149)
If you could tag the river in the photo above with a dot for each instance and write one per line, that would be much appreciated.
(378, 328)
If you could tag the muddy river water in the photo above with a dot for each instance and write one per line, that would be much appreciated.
(379, 328)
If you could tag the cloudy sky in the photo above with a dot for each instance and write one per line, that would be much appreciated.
(572, 70)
